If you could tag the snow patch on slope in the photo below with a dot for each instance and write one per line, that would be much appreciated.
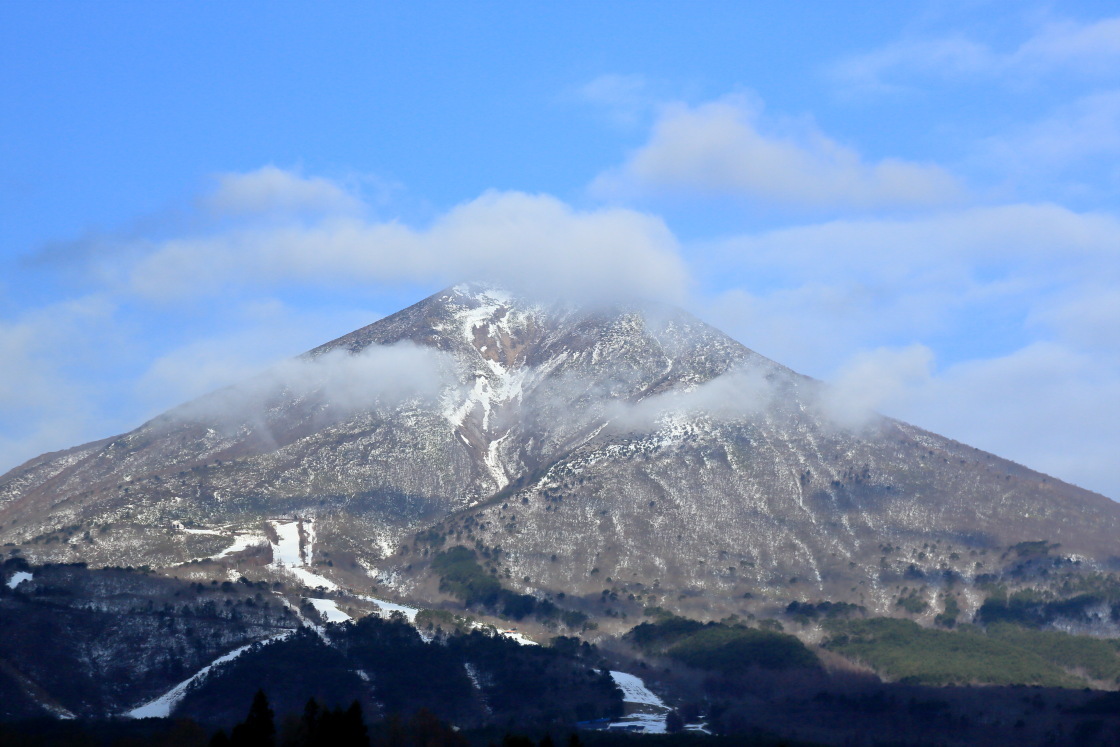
(18, 578)
(288, 554)
(162, 706)
(497, 383)
(643, 708)
(328, 608)
(240, 542)
(387, 608)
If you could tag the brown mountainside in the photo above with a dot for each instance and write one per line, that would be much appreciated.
(631, 443)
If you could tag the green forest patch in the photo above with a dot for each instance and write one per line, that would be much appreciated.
(722, 647)
(1004, 655)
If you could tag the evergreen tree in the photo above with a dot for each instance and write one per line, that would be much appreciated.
(311, 715)
(353, 730)
(258, 729)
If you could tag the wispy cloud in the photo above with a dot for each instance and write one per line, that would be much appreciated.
(1066, 47)
(1091, 48)
(260, 332)
(727, 147)
(48, 399)
(963, 274)
(332, 386)
(626, 99)
(873, 381)
(1072, 136)
(1033, 405)
(273, 190)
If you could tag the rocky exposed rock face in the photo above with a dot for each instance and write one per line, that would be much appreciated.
(632, 443)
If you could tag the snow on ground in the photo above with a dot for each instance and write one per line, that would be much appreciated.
(388, 608)
(287, 555)
(328, 608)
(286, 551)
(18, 578)
(162, 706)
(494, 463)
(319, 629)
(643, 708)
(634, 690)
(57, 711)
(312, 580)
(651, 723)
(240, 542)
(472, 673)
(513, 635)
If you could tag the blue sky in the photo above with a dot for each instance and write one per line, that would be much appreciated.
(916, 201)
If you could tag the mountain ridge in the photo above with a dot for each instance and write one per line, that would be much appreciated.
(636, 442)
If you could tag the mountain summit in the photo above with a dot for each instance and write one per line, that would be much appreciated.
(628, 447)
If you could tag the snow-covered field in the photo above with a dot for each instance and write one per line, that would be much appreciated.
(286, 552)
(289, 556)
(643, 708)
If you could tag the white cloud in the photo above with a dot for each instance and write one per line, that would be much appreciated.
(1087, 128)
(1091, 49)
(339, 382)
(860, 291)
(738, 393)
(1087, 315)
(810, 327)
(844, 285)
(535, 243)
(950, 56)
(937, 245)
(258, 335)
(1087, 47)
(44, 404)
(36, 344)
(873, 381)
(722, 147)
(1046, 405)
(273, 190)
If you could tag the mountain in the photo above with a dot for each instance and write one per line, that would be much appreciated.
(612, 457)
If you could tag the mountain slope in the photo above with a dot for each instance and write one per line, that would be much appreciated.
(635, 443)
